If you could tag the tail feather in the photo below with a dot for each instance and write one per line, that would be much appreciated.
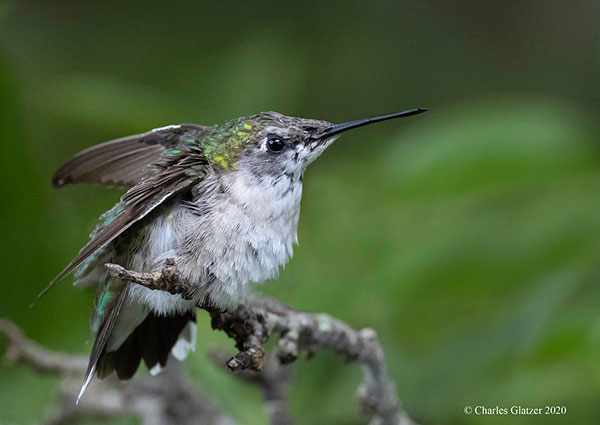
(186, 342)
(105, 365)
(127, 357)
(100, 343)
(152, 340)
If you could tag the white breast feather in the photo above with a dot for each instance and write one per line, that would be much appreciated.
(243, 236)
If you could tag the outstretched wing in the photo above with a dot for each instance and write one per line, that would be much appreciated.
(122, 162)
(177, 175)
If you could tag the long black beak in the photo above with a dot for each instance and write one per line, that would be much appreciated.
(338, 128)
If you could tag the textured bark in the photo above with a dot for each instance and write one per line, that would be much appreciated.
(167, 399)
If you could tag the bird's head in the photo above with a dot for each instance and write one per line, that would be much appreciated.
(274, 144)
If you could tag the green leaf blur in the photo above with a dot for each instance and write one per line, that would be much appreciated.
(467, 237)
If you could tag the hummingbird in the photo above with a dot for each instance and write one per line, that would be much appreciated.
(222, 200)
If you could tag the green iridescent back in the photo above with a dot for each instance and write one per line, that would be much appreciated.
(223, 146)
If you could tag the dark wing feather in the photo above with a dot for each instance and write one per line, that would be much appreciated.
(177, 176)
(100, 343)
(122, 162)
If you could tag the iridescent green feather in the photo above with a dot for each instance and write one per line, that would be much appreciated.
(223, 147)
(102, 302)
(104, 220)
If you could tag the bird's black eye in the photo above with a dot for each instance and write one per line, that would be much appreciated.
(275, 144)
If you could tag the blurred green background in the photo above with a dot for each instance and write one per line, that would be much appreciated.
(468, 237)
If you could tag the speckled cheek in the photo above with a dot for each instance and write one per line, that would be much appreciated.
(310, 152)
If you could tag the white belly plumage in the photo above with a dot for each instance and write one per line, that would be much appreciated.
(235, 234)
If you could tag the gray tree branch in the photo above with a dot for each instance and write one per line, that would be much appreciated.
(167, 399)
(299, 333)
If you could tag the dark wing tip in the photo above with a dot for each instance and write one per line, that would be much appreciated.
(60, 276)
(59, 179)
(41, 294)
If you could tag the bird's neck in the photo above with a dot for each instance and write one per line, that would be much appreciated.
(265, 198)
